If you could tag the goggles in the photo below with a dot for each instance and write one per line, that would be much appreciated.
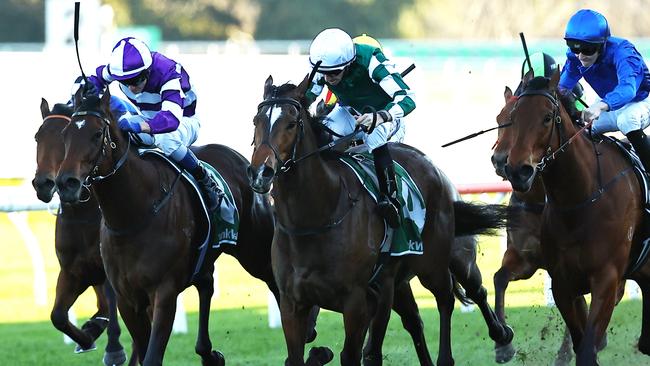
(332, 72)
(585, 48)
(136, 80)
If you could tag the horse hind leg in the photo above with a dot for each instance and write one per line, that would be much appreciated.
(440, 284)
(203, 347)
(405, 306)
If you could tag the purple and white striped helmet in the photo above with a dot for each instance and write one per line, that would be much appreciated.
(130, 57)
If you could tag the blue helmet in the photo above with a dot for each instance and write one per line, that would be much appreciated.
(587, 26)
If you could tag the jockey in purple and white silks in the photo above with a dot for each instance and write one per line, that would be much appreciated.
(160, 88)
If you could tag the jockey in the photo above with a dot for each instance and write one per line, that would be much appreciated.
(360, 75)
(545, 65)
(616, 71)
(161, 90)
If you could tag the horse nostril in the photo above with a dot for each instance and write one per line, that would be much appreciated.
(268, 172)
(526, 172)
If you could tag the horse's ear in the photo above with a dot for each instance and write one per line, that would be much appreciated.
(105, 103)
(555, 79)
(268, 86)
(45, 108)
(507, 94)
(301, 89)
(528, 77)
(78, 96)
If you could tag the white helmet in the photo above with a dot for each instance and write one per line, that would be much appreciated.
(334, 48)
(129, 58)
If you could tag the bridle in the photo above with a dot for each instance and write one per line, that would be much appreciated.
(293, 160)
(273, 101)
(102, 153)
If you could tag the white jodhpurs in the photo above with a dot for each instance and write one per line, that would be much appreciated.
(343, 123)
(185, 135)
(631, 117)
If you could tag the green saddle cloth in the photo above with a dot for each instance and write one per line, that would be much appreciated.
(407, 239)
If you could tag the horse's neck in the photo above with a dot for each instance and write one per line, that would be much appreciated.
(572, 177)
(311, 186)
(125, 196)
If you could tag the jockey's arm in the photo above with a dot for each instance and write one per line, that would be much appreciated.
(384, 73)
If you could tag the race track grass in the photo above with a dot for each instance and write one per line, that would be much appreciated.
(239, 326)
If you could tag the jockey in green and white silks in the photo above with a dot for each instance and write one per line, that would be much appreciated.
(360, 75)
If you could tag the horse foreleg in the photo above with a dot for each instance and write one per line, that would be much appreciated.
(205, 287)
(164, 310)
(644, 339)
(68, 290)
(114, 352)
(139, 326)
(294, 325)
(573, 315)
(356, 318)
(604, 290)
(372, 354)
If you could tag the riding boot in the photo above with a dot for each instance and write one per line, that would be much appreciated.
(387, 205)
(212, 193)
(641, 145)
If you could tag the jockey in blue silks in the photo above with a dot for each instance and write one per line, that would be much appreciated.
(616, 71)
(160, 88)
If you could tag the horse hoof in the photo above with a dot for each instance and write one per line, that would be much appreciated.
(79, 349)
(644, 346)
(372, 360)
(320, 356)
(115, 358)
(312, 335)
(216, 359)
(504, 353)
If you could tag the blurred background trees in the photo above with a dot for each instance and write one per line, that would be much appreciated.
(23, 20)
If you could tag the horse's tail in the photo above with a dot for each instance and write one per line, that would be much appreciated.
(459, 292)
(479, 219)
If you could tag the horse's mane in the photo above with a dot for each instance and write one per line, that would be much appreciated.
(568, 100)
(90, 103)
(315, 121)
(63, 109)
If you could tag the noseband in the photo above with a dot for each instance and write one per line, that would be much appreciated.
(101, 154)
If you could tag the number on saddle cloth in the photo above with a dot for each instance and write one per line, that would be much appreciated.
(407, 238)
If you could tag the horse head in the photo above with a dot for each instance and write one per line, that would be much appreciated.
(539, 126)
(90, 139)
(49, 148)
(279, 132)
(500, 154)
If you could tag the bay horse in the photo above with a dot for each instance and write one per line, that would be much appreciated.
(327, 234)
(153, 223)
(591, 231)
(76, 244)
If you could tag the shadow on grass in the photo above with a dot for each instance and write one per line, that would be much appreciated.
(245, 339)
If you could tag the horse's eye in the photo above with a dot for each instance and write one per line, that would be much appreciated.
(548, 118)
(291, 125)
(97, 136)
